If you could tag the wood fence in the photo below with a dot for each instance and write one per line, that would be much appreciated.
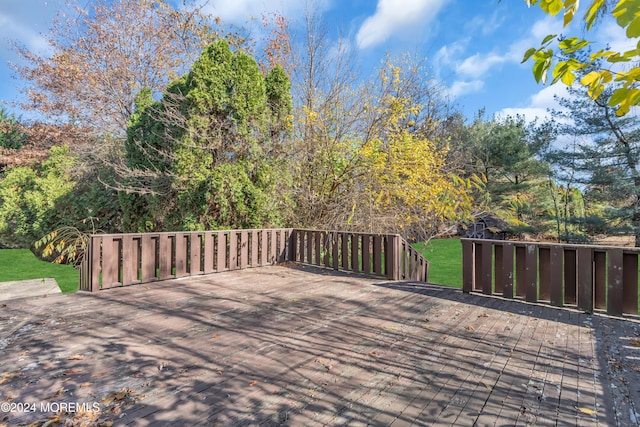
(381, 255)
(113, 260)
(586, 277)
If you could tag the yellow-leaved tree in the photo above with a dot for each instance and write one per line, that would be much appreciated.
(408, 182)
(561, 56)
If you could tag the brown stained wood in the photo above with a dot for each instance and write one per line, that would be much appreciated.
(284, 253)
(273, 251)
(209, 251)
(531, 273)
(254, 248)
(468, 264)
(328, 248)
(355, 252)
(630, 283)
(555, 276)
(377, 255)
(507, 269)
(570, 276)
(165, 256)
(96, 263)
(366, 254)
(310, 247)
(110, 262)
(600, 279)
(233, 250)
(615, 292)
(327, 349)
(264, 247)
(335, 251)
(585, 279)
(244, 249)
(498, 250)
(195, 254)
(544, 269)
(520, 270)
(487, 277)
(479, 264)
(317, 239)
(344, 251)
(222, 244)
(392, 246)
(181, 254)
(299, 236)
(129, 260)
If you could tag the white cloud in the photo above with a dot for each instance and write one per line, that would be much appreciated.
(538, 104)
(394, 16)
(485, 26)
(460, 88)
(479, 64)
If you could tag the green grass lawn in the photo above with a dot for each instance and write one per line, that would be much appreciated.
(445, 261)
(21, 264)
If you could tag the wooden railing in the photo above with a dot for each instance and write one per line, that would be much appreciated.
(586, 277)
(123, 259)
(381, 255)
(113, 260)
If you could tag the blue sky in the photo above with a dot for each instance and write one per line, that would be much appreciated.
(473, 48)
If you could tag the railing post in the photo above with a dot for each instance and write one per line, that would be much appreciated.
(392, 257)
(506, 270)
(615, 292)
(467, 265)
(531, 273)
(585, 279)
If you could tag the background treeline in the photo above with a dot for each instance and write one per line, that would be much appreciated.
(159, 119)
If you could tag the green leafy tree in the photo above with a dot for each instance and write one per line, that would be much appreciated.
(28, 197)
(604, 159)
(12, 136)
(207, 155)
(506, 152)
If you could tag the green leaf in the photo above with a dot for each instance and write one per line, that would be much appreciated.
(548, 38)
(528, 54)
(617, 96)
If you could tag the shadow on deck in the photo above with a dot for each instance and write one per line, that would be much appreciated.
(294, 346)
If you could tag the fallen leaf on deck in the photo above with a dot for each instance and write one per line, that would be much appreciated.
(469, 328)
(254, 382)
(75, 357)
(483, 315)
(587, 411)
(635, 342)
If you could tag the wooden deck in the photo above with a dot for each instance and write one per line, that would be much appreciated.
(289, 346)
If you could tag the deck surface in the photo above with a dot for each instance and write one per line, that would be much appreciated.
(290, 346)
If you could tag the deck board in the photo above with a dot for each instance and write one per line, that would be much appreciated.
(291, 346)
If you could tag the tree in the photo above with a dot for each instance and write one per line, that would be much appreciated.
(206, 155)
(605, 160)
(507, 153)
(564, 64)
(105, 53)
(12, 136)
